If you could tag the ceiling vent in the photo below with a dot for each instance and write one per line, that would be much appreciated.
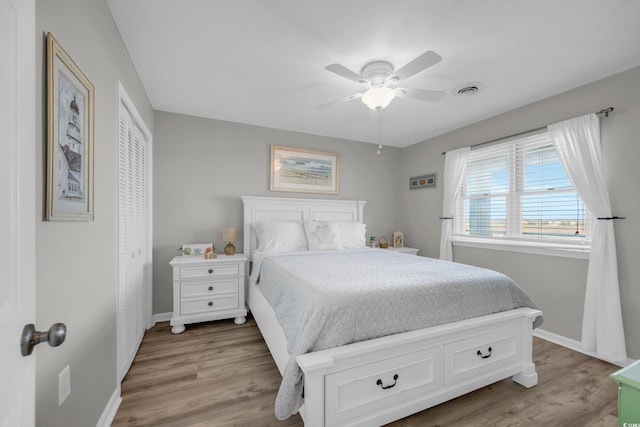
(468, 89)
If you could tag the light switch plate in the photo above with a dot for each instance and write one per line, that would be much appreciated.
(64, 384)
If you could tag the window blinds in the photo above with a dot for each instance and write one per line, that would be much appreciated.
(519, 189)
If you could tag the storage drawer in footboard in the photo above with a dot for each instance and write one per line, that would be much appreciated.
(374, 387)
(480, 355)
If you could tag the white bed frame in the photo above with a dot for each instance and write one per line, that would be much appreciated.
(374, 382)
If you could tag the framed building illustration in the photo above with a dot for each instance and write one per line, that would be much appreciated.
(70, 98)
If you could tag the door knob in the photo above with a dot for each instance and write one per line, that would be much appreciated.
(30, 337)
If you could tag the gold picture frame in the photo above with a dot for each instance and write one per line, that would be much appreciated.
(304, 171)
(70, 103)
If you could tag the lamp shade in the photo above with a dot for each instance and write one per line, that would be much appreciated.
(378, 97)
(229, 234)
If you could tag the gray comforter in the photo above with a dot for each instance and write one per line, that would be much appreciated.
(329, 299)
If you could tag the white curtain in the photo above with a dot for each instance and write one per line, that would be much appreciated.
(577, 142)
(455, 163)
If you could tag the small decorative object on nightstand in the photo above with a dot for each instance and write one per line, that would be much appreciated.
(398, 239)
(197, 249)
(207, 289)
(229, 234)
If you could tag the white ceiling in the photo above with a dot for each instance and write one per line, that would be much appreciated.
(261, 62)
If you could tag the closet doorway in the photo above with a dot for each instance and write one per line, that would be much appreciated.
(134, 232)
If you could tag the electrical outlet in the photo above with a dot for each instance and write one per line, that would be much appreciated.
(64, 384)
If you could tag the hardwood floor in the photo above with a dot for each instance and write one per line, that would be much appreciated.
(221, 374)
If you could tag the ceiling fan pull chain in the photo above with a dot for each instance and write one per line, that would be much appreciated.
(379, 109)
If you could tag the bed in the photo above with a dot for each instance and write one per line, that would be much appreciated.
(380, 380)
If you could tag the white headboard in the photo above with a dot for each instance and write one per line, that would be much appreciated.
(282, 209)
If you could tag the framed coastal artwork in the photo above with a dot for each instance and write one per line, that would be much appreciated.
(304, 171)
(70, 97)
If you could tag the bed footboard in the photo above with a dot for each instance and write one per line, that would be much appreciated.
(382, 380)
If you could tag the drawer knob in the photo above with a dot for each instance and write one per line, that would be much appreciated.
(210, 303)
(479, 353)
(385, 387)
(210, 288)
(210, 270)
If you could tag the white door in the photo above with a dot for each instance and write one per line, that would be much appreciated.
(17, 209)
(134, 222)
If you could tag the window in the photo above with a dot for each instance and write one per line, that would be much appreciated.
(519, 191)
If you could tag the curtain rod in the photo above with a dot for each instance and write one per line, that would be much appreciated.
(604, 111)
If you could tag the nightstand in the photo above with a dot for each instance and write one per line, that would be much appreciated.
(405, 250)
(207, 289)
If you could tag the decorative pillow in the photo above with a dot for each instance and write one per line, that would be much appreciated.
(322, 235)
(353, 234)
(280, 236)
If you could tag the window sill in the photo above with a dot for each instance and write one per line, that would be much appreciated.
(548, 249)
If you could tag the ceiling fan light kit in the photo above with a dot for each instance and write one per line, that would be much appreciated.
(378, 98)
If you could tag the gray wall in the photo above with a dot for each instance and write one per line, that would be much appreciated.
(202, 167)
(557, 284)
(76, 263)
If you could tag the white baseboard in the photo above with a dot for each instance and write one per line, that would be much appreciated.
(570, 344)
(110, 411)
(162, 317)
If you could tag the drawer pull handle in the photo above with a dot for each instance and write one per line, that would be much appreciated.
(479, 353)
(210, 303)
(210, 270)
(385, 387)
(210, 288)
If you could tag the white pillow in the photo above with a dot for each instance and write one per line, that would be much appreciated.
(322, 235)
(353, 234)
(280, 236)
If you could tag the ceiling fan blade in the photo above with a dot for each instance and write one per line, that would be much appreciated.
(338, 101)
(343, 71)
(422, 62)
(421, 94)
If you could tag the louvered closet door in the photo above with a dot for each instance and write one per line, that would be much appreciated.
(132, 293)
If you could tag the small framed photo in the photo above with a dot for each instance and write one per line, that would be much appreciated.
(422, 181)
(70, 97)
(305, 171)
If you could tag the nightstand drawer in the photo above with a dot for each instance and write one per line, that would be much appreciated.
(209, 271)
(228, 302)
(210, 287)
(468, 358)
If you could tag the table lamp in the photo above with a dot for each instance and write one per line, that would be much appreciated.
(229, 234)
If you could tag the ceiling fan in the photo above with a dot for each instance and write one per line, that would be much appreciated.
(380, 80)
